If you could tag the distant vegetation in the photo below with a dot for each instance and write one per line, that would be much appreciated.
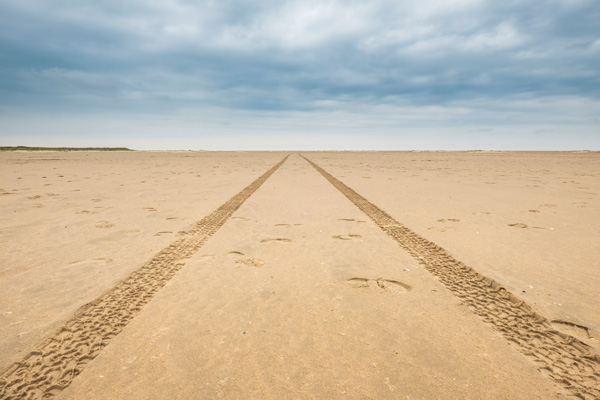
(25, 148)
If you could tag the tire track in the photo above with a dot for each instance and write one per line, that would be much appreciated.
(565, 359)
(49, 369)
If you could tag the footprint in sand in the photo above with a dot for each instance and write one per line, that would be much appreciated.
(162, 233)
(350, 236)
(282, 240)
(286, 225)
(379, 284)
(104, 225)
(352, 220)
(249, 262)
(438, 229)
(525, 226)
(150, 208)
(449, 220)
(519, 225)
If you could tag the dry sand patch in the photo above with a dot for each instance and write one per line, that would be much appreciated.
(296, 327)
(96, 227)
(536, 229)
(294, 253)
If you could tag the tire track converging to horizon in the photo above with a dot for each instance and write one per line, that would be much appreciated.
(565, 359)
(50, 368)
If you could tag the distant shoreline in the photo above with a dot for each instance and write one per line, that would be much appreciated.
(26, 148)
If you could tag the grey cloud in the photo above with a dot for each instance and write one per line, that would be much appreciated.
(295, 55)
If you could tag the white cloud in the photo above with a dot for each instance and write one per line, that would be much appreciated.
(295, 24)
(504, 36)
(301, 66)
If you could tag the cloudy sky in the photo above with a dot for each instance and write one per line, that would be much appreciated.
(453, 74)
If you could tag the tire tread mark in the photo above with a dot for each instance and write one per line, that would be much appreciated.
(565, 359)
(54, 364)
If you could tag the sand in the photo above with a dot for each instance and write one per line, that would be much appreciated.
(293, 291)
(528, 220)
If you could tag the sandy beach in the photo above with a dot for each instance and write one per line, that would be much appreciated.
(398, 275)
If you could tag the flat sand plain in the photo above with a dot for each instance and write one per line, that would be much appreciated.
(290, 290)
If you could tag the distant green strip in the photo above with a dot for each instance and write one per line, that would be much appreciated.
(26, 148)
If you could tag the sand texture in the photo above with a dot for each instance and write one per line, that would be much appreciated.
(319, 275)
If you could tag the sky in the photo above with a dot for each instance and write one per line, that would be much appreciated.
(301, 75)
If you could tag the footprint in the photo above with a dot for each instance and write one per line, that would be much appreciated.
(387, 285)
(235, 253)
(284, 240)
(162, 233)
(349, 236)
(149, 208)
(519, 225)
(437, 229)
(249, 262)
(533, 211)
(352, 220)
(242, 218)
(104, 225)
(449, 220)
(37, 196)
(282, 225)
(524, 226)
(171, 218)
(92, 261)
